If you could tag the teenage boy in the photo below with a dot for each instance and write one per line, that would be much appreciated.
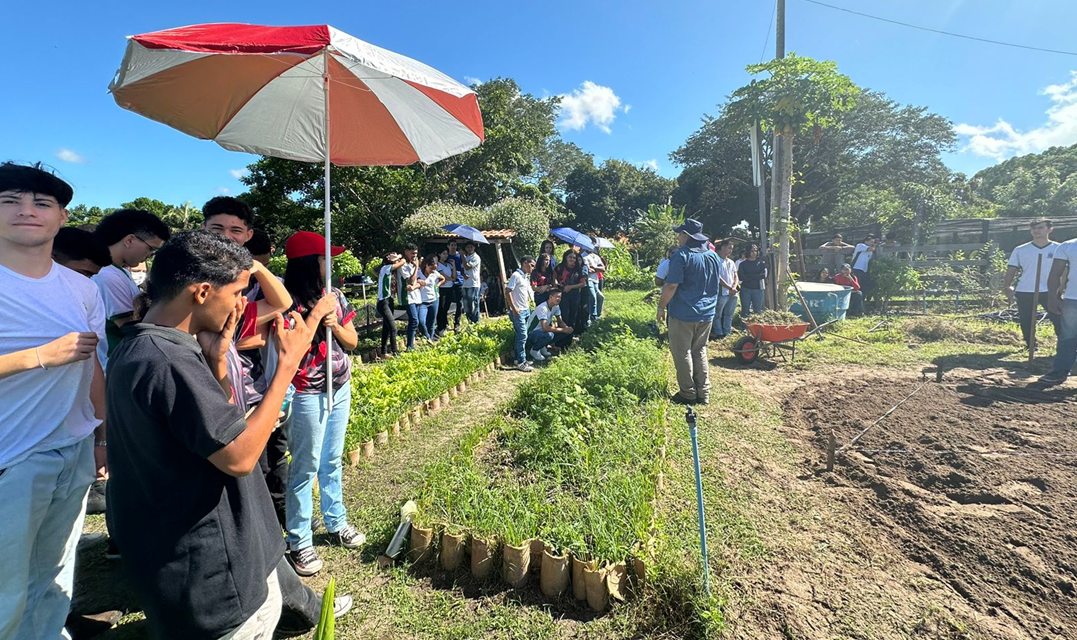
(457, 287)
(52, 386)
(520, 298)
(595, 268)
(261, 246)
(472, 282)
(546, 327)
(727, 292)
(836, 248)
(861, 262)
(132, 236)
(407, 292)
(203, 560)
(1025, 258)
(691, 295)
(1064, 305)
(80, 251)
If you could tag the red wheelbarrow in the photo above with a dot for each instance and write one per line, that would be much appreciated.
(769, 341)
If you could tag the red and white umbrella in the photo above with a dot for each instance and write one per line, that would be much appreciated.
(313, 94)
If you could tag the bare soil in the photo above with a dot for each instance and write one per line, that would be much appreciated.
(972, 480)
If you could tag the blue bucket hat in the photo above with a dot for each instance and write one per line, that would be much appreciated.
(694, 229)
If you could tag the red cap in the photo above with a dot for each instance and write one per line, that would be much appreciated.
(308, 243)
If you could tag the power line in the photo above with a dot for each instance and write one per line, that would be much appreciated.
(770, 25)
(939, 31)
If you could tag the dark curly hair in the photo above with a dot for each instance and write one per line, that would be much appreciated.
(227, 205)
(192, 257)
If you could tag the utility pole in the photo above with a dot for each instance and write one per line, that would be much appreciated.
(779, 33)
(777, 175)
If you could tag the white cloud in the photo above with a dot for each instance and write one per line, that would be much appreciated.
(590, 104)
(652, 163)
(239, 173)
(1001, 140)
(470, 80)
(67, 155)
(628, 108)
(224, 191)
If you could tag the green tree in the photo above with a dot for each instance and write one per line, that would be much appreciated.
(798, 95)
(80, 214)
(610, 197)
(653, 233)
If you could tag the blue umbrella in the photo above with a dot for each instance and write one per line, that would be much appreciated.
(464, 231)
(571, 236)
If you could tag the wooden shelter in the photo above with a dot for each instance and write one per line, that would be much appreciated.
(500, 245)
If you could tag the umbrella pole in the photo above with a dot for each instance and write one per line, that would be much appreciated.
(328, 247)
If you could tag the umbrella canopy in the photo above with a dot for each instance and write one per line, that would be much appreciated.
(464, 231)
(313, 94)
(302, 93)
(571, 236)
(603, 243)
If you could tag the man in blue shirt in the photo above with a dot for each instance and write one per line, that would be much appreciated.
(691, 295)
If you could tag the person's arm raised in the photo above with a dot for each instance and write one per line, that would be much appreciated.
(277, 299)
(240, 456)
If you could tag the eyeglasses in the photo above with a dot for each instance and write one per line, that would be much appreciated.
(149, 246)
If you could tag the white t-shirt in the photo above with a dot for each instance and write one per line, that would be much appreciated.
(1024, 258)
(863, 257)
(46, 409)
(429, 291)
(118, 290)
(1068, 251)
(594, 263)
(663, 269)
(471, 270)
(543, 312)
(446, 271)
(519, 287)
(727, 269)
(407, 297)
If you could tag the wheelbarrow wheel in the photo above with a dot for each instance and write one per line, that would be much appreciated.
(746, 349)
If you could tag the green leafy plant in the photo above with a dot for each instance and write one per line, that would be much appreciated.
(326, 622)
(893, 276)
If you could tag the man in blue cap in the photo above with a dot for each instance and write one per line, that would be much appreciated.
(690, 293)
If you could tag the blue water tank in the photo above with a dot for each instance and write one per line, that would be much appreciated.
(826, 301)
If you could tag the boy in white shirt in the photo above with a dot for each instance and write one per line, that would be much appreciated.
(51, 321)
(546, 326)
(520, 297)
(1025, 258)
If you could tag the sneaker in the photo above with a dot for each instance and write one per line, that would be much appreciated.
(525, 367)
(349, 537)
(305, 561)
(341, 605)
(546, 353)
(703, 401)
(537, 356)
(679, 399)
(112, 552)
(1053, 378)
(95, 501)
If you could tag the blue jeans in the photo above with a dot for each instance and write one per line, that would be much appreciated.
(539, 339)
(519, 324)
(413, 323)
(316, 441)
(751, 301)
(723, 316)
(470, 300)
(44, 499)
(428, 316)
(1066, 355)
(597, 296)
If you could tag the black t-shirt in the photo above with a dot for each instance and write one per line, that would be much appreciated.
(197, 543)
(751, 273)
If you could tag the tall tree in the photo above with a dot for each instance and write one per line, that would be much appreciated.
(799, 95)
(609, 198)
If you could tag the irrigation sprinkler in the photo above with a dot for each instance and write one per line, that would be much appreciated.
(407, 512)
(690, 418)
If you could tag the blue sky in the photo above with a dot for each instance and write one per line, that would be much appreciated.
(639, 73)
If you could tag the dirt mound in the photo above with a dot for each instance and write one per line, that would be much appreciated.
(934, 329)
(975, 479)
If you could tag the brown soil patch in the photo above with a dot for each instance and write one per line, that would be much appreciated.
(974, 481)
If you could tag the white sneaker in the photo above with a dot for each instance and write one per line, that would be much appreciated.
(537, 356)
(525, 367)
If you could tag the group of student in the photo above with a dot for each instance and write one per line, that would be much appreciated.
(566, 297)
(426, 289)
(203, 400)
(742, 280)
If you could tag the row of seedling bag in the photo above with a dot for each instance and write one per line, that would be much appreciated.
(392, 397)
(575, 462)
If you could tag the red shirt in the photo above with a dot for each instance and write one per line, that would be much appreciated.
(851, 281)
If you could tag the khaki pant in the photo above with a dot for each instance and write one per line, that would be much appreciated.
(688, 343)
(261, 625)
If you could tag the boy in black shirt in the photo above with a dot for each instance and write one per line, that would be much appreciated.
(200, 539)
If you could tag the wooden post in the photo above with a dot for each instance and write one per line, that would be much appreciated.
(1035, 310)
(800, 253)
(501, 271)
(830, 444)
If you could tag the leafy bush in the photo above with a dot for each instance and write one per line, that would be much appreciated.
(892, 277)
(653, 233)
(527, 217)
(622, 272)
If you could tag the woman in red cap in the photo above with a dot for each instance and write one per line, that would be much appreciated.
(316, 435)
